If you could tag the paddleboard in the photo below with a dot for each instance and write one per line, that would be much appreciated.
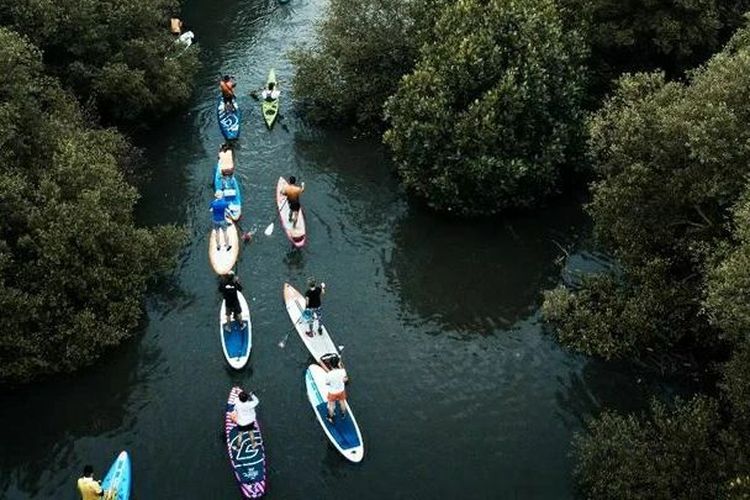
(231, 189)
(116, 483)
(270, 108)
(229, 122)
(319, 344)
(297, 234)
(223, 260)
(237, 342)
(248, 463)
(343, 432)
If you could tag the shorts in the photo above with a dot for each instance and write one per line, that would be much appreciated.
(234, 309)
(246, 428)
(309, 313)
(294, 206)
(336, 396)
(222, 224)
(228, 99)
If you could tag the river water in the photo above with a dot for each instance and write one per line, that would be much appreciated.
(458, 391)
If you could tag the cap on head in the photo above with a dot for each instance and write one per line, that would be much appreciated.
(243, 396)
(88, 471)
(292, 179)
(219, 194)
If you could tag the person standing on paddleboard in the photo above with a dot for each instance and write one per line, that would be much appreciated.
(313, 305)
(244, 416)
(229, 287)
(219, 211)
(227, 85)
(89, 488)
(336, 380)
(292, 192)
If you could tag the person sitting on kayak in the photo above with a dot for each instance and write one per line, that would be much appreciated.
(244, 416)
(226, 159)
(271, 93)
(220, 211)
(336, 379)
(313, 309)
(292, 192)
(227, 85)
(89, 488)
(229, 287)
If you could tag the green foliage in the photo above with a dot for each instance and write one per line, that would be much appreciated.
(640, 35)
(110, 51)
(492, 110)
(362, 49)
(672, 161)
(669, 454)
(728, 279)
(73, 267)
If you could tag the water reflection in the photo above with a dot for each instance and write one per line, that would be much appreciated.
(477, 277)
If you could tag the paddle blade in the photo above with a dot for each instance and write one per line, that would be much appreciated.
(269, 230)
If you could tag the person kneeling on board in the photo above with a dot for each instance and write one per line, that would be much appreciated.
(219, 210)
(271, 93)
(229, 287)
(313, 306)
(89, 488)
(292, 192)
(336, 381)
(244, 416)
(227, 85)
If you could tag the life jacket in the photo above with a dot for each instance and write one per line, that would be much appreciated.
(226, 88)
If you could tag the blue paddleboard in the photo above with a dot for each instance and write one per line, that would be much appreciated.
(229, 122)
(116, 483)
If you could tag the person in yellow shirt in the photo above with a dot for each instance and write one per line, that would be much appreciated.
(90, 489)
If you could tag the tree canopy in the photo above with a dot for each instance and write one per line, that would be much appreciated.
(110, 53)
(492, 110)
(73, 266)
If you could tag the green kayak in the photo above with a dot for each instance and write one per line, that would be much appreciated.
(270, 107)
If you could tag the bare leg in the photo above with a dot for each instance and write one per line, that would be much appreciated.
(217, 239)
(226, 235)
(331, 409)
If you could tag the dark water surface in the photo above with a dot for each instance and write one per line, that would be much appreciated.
(458, 392)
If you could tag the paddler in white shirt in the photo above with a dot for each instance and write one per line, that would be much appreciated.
(244, 415)
(336, 380)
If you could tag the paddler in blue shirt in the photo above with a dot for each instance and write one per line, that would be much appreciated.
(219, 209)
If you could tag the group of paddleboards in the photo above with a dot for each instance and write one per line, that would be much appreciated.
(325, 378)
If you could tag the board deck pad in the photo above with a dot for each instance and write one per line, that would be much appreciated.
(238, 342)
(231, 191)
(248, 463)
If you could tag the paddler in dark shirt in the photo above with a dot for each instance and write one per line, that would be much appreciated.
(313, 310)
(292, 192)
(229, 286)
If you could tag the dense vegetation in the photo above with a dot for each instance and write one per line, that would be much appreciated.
(672, 204)
(486, 120)
(73, 266)
(483, 110)
(110, 53)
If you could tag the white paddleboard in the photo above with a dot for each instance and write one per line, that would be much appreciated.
(238, 341)
(297, 234)
(344, 432)
(223, 260)
(319, 344)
